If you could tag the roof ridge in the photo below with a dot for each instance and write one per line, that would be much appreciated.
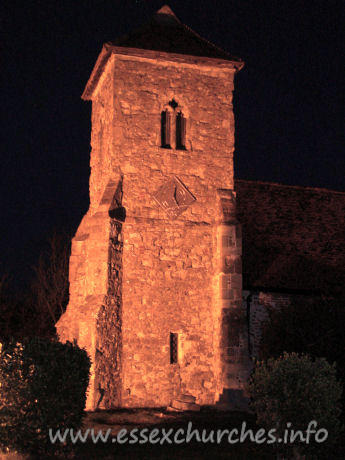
(210, 43)
(168, 11)
(298, 187)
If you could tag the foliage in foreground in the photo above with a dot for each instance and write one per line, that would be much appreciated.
(295, 389)
(42, 385)
(314, 327)
(311, 326)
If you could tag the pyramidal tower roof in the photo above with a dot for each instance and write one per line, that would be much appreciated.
(165, 32)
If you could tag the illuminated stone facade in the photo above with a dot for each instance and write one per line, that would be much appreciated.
(156, 261)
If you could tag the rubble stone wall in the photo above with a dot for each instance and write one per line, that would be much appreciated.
(109, 321)
(163, 276)
(170, 266)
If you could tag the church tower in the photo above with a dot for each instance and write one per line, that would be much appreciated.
(155, 269)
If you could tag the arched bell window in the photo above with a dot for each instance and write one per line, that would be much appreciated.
(173, 127)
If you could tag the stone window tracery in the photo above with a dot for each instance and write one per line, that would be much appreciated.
(173, 126)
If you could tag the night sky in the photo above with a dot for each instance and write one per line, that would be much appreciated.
(289, 101)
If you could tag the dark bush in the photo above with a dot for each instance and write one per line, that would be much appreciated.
(295, 389)
(314, 327)
(42, 385)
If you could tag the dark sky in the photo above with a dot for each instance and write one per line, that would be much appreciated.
(289, 100)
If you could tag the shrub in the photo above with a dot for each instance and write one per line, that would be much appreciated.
(314, 327)
(42, 385)
(295, 389)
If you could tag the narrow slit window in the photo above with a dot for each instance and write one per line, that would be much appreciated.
(165, 129)
(173, 348)
(180, 131)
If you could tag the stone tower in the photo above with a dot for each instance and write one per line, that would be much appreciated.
(155, 270)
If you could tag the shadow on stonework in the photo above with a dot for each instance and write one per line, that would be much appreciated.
(118, 213)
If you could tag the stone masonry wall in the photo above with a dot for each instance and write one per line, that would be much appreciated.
(167, 289)
(170, 267)
(88, 268)
(109, 321)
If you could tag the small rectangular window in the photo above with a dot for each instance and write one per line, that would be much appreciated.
(173, 348)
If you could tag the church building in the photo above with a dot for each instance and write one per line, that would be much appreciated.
(155, 268)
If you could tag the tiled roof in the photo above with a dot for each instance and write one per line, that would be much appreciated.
(166, 33)
(293, 237)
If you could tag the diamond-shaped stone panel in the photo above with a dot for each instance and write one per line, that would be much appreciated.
(174, 197)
